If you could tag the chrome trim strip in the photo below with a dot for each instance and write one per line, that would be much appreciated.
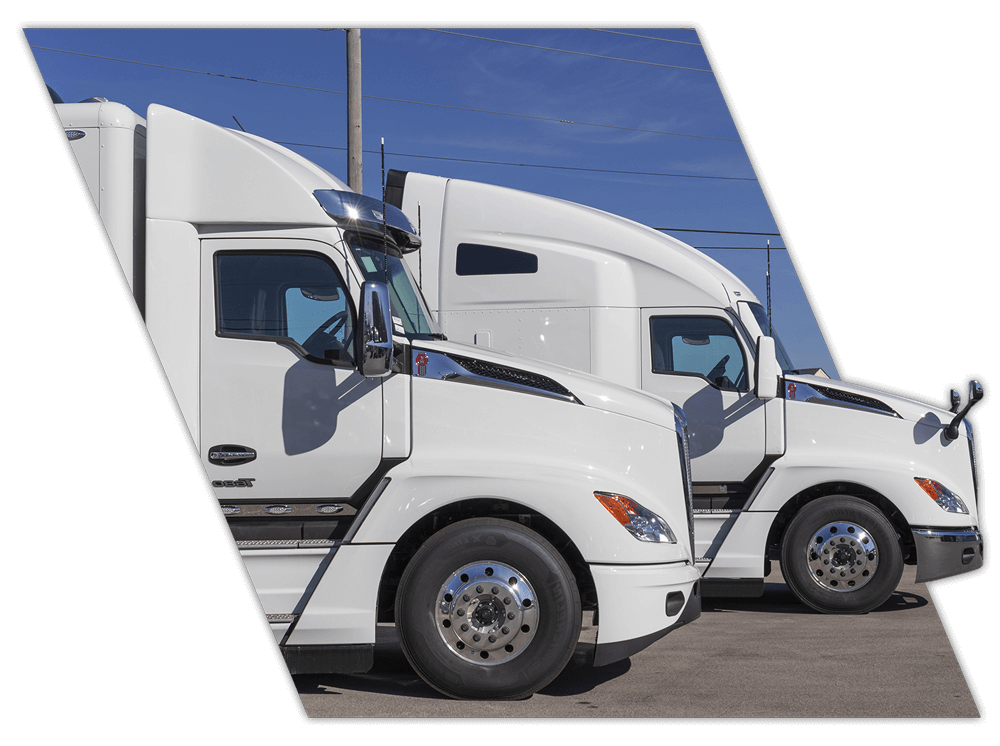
(281, 618)
(716, 511)
(710, 489)
(437, 365)
(288, 544)
(949, 535)
(291, 510)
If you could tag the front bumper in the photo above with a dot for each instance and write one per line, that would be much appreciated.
(639, 604)
(943, 552)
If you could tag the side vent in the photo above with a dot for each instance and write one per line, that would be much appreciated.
(512, 375)
(856, 399)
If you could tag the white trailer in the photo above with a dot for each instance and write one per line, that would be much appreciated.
(369, 469)
(843, 484)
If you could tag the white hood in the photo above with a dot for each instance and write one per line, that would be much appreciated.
(589, 390)
(907, 409)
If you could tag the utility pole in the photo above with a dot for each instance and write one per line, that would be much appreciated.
(354, 109)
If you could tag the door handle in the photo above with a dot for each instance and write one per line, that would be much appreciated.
(230, 455)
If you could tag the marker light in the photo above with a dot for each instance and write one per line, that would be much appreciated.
(945, 498)
(643, 524)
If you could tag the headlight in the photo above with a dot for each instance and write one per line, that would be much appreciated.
(643, 524)
(945, 498)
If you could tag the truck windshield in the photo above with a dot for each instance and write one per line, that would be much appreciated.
(765, 327)
(409, 310)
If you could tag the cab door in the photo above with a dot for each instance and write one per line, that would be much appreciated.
(695, 358)
(285, 415)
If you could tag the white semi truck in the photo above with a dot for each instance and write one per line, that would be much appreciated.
(370, 470)
(840, 483)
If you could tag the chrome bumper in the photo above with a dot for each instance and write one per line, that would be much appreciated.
(942, 552)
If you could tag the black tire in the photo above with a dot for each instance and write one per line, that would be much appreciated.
(841, 555)
(505, 584)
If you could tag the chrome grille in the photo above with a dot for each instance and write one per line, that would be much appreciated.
(972, 458)
(685, 457)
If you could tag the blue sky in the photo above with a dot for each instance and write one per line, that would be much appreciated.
(634, 123)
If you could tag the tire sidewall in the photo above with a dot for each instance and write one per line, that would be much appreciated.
(479, 540)
(827, 510)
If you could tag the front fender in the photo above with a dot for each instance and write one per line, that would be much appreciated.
(569, 503)
(894, 481)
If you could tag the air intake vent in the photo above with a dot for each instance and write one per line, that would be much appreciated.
(861, 401)
(512, 375)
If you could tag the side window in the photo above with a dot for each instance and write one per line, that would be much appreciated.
(700, 346)
(297, 299)
(476, 259)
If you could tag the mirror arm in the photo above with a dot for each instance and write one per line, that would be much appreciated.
(975, 394)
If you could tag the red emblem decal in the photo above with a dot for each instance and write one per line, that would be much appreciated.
(791, 390)
(422, 361)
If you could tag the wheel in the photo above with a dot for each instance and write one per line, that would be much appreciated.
(840, 555)
(488, 609)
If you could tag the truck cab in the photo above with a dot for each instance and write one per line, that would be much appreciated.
(786, 466)
(371, 470)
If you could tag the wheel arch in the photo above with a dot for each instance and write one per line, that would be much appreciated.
(840, 489)
(428, 525)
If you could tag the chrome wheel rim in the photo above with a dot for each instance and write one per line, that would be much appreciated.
(842, 557)
(487, 613)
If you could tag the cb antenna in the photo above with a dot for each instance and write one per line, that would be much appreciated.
(385, 246)
(769, 321)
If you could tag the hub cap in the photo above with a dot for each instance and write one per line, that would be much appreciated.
(487, 613)
(842, 557)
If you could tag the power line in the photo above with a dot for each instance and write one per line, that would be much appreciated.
(444, 158)
(530, 165)
(735, 233)
(640, 36)
(186, 70)
(731, 233)
(567, 51)
(739, 248)
(394, 100)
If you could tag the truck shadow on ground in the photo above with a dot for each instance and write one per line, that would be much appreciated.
(779, 599)
(392, 675)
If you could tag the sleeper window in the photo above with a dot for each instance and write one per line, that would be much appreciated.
(476, 259)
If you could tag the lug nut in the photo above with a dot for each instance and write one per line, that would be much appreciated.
(505, 631)
(493, 638)
(465, 627)
(466, 598)
(507, 600)
(510, 615)
(479, 589)
(495, 590)
(460, 612)
(477, 637)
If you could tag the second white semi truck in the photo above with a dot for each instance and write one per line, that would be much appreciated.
(840, 483)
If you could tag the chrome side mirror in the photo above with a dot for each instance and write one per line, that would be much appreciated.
(765, 369)
(375, 340)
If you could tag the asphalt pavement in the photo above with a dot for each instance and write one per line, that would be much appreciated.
(768, 657)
